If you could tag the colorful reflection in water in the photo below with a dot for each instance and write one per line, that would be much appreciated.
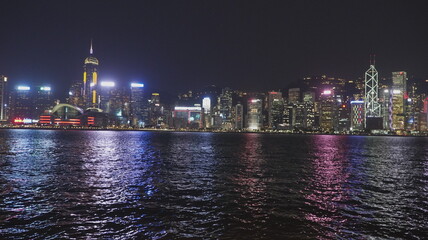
(145, 185)
(326, 190)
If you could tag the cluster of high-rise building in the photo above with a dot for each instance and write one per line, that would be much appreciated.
(315, 104)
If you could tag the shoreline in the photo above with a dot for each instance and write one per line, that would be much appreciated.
(204, 131)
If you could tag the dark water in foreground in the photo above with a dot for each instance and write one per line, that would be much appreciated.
(147, 185)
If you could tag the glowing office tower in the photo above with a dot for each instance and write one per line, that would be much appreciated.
(372, 108)
(239, 116)
(206, 105)
(90, 80)
(275, 107)
(3, 98)
(137, 105)
(399, 87)
(357, 115)
(225, 108)
(43, 100)
(21, 104)
(327, 110)
(105, 95)
(293, 95)
(255, 117)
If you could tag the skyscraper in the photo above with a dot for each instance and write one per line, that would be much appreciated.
(206, 105)
(3, 98)
(42, 100)
(105, 94)
(137, 104)
(399, 84)
(327, 110)
(275, 105)
(371, 104)
(75, 94)
(293, 95)
(357, 115)
(90, 80)
(255, 116)
(225, 108)
(372, 108)
(239, 116)
(21, 104)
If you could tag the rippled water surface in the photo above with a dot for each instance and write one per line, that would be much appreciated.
(152, 185)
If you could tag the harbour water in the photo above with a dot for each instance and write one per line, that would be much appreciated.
(176, 185)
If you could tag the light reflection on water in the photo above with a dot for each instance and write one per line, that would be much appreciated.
(326, 190)
(106, 184)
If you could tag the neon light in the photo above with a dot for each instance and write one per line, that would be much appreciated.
(155, 94)
(25, 120)
(255, 100)
(137, 85)
(92, 84)
(23, 88)
(70, 93)
(107, 84)
(94, 96)
(386, 91)
(327, 92)
(357, 102)
(396, 91)
(94, 77)
(45, 88)
(188, 108)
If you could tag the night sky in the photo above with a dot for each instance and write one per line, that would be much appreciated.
(180, 45)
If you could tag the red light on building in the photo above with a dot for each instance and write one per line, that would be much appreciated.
(343, 106)
(406, 96)
(91, 120)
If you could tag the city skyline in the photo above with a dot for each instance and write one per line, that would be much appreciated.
(259, 48)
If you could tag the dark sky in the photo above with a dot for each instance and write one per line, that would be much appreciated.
(183, 44)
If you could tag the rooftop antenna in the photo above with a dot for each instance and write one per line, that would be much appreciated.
(91, 51)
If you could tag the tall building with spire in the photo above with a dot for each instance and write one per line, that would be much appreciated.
(90, 80)
(372, 108)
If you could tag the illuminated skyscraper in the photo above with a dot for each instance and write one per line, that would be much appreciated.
(239, 116)
(293, 95)
(137, 104)
(21, 104)
(309, 109)
(75, 94)
(372, 108)
(275, 107)
(42, 100)
(255, 115)
(156, 110)
(327, 110)
(225, 108)
(105, 94)
(357, 115)
(206, 105)
(371, 104)
(3, 98)
(399, 84)
(90, 80)
(386, 108)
